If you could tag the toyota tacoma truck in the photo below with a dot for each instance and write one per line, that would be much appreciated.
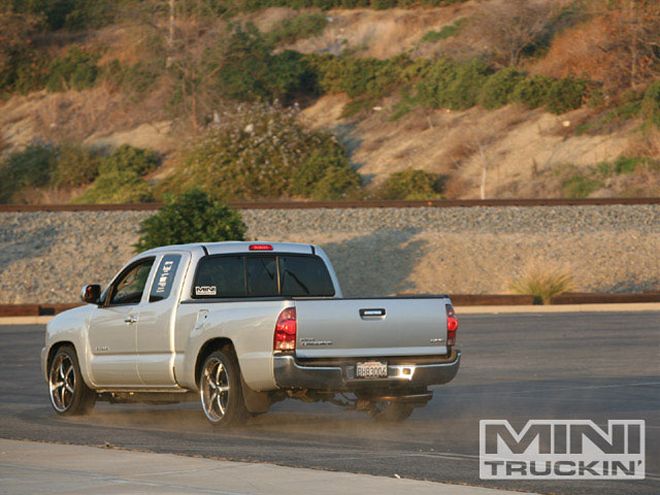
(240, 326)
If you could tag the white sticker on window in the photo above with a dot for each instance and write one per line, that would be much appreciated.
(206, 290)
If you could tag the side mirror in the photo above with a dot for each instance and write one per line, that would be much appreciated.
(91, 293)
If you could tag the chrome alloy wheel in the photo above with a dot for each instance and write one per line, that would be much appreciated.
(62, 382)
(214, 389)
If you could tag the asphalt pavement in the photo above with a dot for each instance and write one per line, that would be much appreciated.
(596, 366)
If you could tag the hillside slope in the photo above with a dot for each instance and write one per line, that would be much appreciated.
(508, 151)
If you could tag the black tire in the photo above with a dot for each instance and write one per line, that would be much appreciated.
(69, 395)
(220, 389)
(390, 412)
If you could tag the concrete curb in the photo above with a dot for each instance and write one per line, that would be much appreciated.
(31, 467)
(560, 308)
(460, 310)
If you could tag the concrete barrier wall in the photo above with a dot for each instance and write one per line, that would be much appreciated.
(46, 257)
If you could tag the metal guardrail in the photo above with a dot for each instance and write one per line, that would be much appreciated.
(302, 205)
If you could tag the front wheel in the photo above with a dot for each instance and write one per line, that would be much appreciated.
(220, 389)
(69, 395)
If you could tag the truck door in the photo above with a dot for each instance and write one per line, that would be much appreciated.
(113, 328)
(155, 330)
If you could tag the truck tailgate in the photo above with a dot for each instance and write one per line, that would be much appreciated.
(344, 328)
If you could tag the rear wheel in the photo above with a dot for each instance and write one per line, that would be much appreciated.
(69, 395)
(390, 411)
(220, 389)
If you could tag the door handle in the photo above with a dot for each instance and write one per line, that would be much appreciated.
(130, 319)
(367, 313)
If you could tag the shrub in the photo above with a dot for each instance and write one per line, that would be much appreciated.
(300, 27)
(135, 79)
(650, 109)
(248, 71)
(116, 187)
(498, 89)
(75, 70)
(358, 77)
(411, 184)
(464, 90)
(447, 84)
(565, 95)
(30, 168)
(129, 158)
(543, 281)
(580, 186)
(121, 177)
(191, 217)
(532, 92)
(262, 151)
(75, 166)
(435, 79)
(446, 32)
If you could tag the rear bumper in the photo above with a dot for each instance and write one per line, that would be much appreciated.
(291, 374)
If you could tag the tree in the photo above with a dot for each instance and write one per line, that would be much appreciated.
(191, 217)
(508, 28)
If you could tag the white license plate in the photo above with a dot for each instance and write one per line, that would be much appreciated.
(371, 369)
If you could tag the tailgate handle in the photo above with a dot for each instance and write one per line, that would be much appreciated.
(367, 313)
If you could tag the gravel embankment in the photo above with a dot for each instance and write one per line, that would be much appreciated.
(48, 256)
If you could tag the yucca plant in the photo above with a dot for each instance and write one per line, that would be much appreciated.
(543, 281)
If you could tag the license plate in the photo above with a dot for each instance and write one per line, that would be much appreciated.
(371, 369)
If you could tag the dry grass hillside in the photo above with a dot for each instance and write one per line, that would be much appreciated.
(509, 151)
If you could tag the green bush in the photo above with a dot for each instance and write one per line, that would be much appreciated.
(447, 84)
(300, 27)
(191, 217)
(30, 168)
(446, 32)
(129, 158)
(76, 70)
(650, 109)
(262, 151)
(121, 177)
(532, 92)
(412, 184)
(358, 77)
(76, 166)
(117, 187)
(249, 71)
(565, 95)
(498, 89)
(134, 79)
(580, 186)
(72, 14)
(625, 165)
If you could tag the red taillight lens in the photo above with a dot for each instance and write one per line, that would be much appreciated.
(452, 326)
(261, 247)
(285, 331)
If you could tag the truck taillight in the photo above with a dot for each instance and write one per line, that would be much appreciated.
(452, 325)
(285, 331)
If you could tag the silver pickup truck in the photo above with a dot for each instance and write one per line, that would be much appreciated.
(241, 325)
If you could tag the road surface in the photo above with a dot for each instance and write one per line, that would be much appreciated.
(596, 366)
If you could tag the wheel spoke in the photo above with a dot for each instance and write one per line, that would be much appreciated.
(220, 406)
(224, 388)
(55, 386)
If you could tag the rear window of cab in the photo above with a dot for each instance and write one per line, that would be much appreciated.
(261, 275)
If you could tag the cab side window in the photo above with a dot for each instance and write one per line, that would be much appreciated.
(130, 285)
